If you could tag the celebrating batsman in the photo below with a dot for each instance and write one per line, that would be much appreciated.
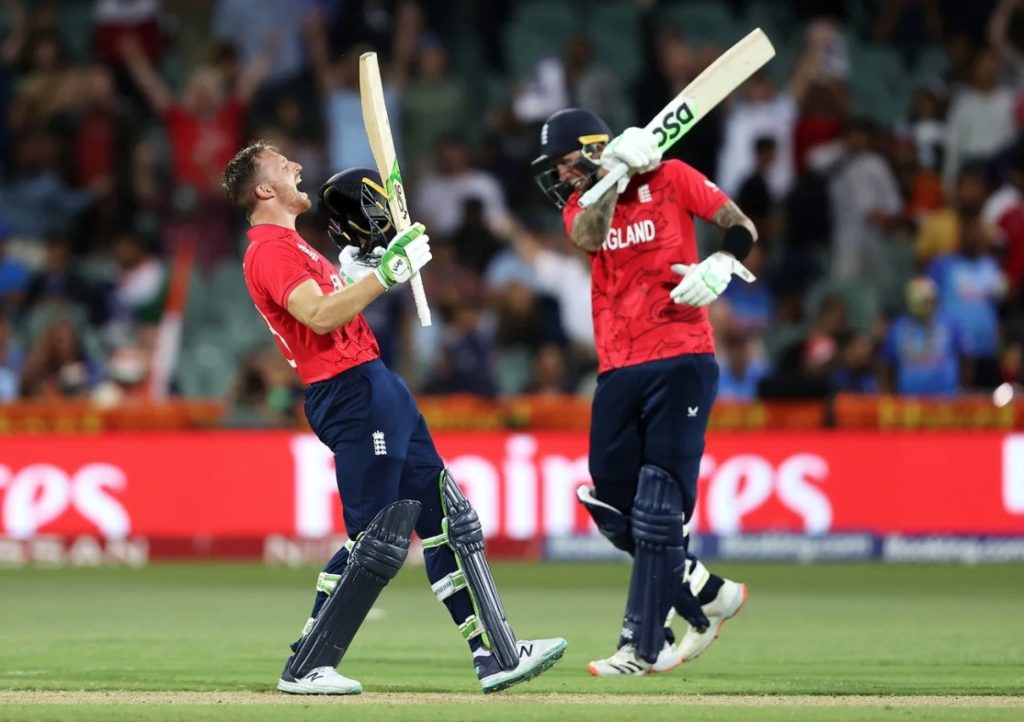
(390, 477)
(657, 371)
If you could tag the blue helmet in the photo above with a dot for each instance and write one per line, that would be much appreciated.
(569, 130)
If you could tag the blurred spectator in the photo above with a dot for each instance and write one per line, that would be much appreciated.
(740, 373)
(525, 323)
(204, 126)
(265, 393)
(1004, 209)
(117, 19)
(441, 203)
(922, 351)
(754, 195)
(38, 201)
(593, 85)
(970, 285)
(48, 84)
(980, 122)
(433, 104)
(254, 29)
(466, 363)
(11, 360)
(818, 86)
(920, 187)
(550, 374)
(927, 129)
(669, 66)
(474, 242)
(760, 113)
(908, 25)
(821, 349)
(338, 82)
(941, 230)
(856, 371)
(563, 274)
(58, 365)
(140, 283)
(865, 198)
(59, 280)
(14, 276)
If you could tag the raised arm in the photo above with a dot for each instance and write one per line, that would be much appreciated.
(255, 72)
(319, 53)
(998, 32)
(145, 75)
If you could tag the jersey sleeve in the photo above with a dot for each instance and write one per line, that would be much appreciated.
(701, 197)
(276, 270)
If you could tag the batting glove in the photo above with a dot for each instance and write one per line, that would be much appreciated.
(355, 265)
(407, 253)
(636, 147)
(705, 281)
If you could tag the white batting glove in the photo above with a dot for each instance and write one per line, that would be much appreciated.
(636, 147)
(355, 266)
(705, 281)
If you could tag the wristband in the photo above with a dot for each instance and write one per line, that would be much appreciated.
(738, 241)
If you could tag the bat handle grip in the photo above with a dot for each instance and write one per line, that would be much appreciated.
(601, 187)
(420, 297)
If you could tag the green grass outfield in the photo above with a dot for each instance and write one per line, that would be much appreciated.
(207, 641)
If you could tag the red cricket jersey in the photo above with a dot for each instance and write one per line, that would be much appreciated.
(276, 261)
(634, 319)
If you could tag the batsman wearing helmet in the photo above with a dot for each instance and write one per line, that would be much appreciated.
(390, 477)
(657, 374)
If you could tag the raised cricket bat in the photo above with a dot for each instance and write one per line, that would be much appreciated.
(378, 130)
(696, 100)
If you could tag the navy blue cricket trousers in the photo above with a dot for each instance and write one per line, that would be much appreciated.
(383, 452)
(652, 413)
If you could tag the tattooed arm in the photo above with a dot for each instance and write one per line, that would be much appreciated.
(590, 226)
(730, 215)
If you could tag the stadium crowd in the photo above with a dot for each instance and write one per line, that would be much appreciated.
(892, 238)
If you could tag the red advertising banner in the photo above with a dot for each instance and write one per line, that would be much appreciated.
(222, 485)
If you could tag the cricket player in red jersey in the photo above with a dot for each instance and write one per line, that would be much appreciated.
(390, 477)
(657, 374)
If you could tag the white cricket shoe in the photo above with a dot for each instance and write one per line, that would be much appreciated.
(535, 657)
(725, 606)
(625, 662)
(322, 680)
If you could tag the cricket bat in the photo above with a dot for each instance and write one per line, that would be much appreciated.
(378, 130)
(696, 100)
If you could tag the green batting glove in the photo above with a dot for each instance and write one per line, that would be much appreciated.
(407, 253)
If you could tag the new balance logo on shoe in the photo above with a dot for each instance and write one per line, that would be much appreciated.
(314, 675)
(380, 448)
(525, 650)
(691, 411)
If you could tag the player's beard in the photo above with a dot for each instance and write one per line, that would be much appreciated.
(299, 201)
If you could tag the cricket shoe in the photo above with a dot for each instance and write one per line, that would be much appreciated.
(625, 662)
(725, 606)
(535, 657)
(322, 680)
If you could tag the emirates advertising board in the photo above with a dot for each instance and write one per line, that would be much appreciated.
(129, 497)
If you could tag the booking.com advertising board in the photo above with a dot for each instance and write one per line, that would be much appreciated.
(126, 498)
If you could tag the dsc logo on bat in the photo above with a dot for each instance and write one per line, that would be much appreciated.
(673, 122)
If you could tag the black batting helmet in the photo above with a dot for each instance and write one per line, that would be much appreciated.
(566, 131)
(355, 204)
